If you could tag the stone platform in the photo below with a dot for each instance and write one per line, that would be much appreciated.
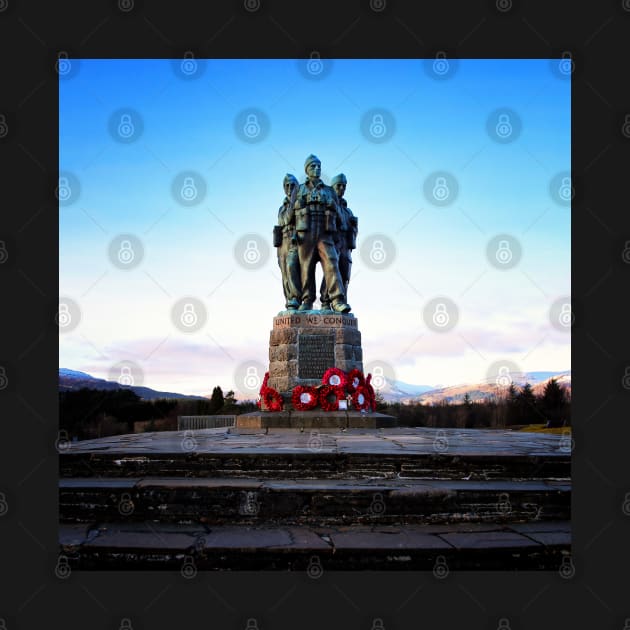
(303, 345)
(316, 419)
(399, 498)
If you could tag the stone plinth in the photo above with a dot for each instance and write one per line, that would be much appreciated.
(303, 345)
(316, 419)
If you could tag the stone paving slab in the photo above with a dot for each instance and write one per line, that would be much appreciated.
(488, 540)
(420, 440)
(395, 487)
(191, 538)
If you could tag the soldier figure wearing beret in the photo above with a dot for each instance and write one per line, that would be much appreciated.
(286, 242)
(345, 239)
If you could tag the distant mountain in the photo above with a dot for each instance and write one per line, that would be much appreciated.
(479, 392)
(395, 391)
(72, 380)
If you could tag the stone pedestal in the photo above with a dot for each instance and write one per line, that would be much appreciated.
(303, 345)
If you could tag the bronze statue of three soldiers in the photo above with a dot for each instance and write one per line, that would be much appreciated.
(315, 225)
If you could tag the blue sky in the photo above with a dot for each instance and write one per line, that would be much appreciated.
(188, 126)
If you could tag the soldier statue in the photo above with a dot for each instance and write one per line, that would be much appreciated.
(345, 239)
(318, 218)
(285, 240)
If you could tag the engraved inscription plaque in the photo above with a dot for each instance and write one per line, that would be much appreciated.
(316, 353)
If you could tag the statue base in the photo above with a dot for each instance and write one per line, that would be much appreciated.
(304, 344)
(316, 419)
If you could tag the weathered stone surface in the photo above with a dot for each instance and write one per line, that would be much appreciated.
(284, 352)
(344, 352)
(283, 368)
(283, 336)
(349, 336)
(488, 540)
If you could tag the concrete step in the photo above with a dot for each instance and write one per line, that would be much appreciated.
(223, 501)
(316, 550)
(308, 465)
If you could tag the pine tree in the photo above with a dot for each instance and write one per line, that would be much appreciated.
(216, 400)
(513, 408)
(553, 403)
(527, 409)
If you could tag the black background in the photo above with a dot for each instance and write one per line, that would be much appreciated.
(31, 35)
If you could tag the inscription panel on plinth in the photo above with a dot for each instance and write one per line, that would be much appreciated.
(316, 353)
(315, 320)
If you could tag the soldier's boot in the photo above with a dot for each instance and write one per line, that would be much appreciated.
(341, 307)
(293, 304)
(306, 306)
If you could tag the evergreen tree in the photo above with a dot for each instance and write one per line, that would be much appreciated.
(527, 408)
(553, 403)
(513, 415)
(216, 400)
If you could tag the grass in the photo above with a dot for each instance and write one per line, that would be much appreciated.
(541, 428)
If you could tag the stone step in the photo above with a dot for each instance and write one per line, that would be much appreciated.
(315, 550)
(223, 501)
(314, 465)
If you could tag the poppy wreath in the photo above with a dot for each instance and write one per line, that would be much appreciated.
(355, 379)
(304, 398)
(334, 377)
(361, 398)
(272, 399)
(371, 393)
(328, 392)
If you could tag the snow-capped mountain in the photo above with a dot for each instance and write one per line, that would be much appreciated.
(72, 380)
